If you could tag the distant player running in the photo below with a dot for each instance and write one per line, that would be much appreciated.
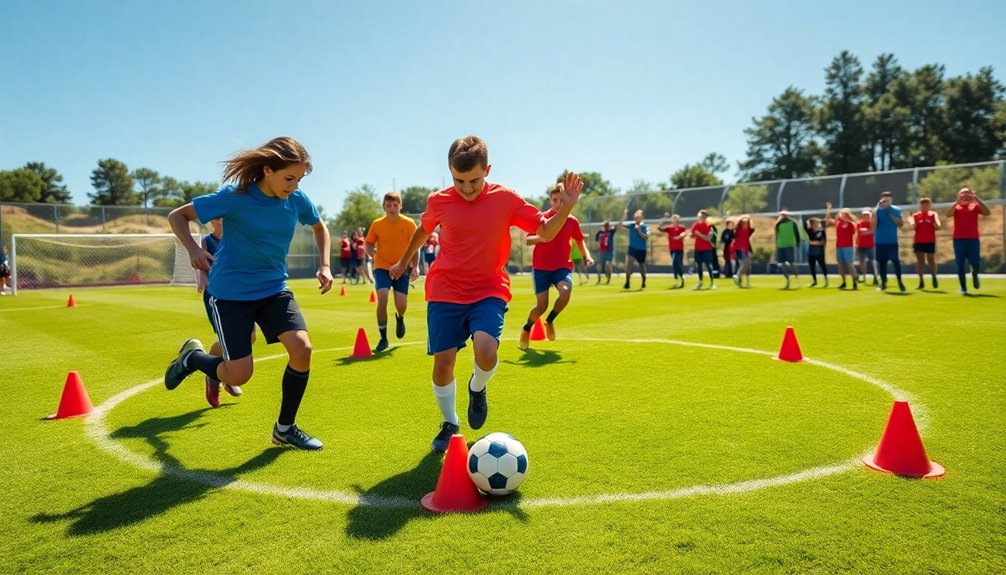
(967, 242)
(387, 239)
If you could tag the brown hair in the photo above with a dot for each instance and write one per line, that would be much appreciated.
(247, 167)
(886, 195)
(467, 152)
(925, 201)
(393, 197)
(556, 189)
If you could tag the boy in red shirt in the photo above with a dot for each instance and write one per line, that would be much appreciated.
(701, 231)
(865, 246)
(845, 229)
(925, 223)
(967, 242)
(551, 265)
(468, 288)
(676, 234)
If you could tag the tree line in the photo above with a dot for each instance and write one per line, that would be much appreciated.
(885, 119)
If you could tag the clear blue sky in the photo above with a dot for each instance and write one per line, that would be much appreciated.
(377, 90)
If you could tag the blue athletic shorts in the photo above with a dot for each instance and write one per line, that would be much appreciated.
(450, 325)
(704, 257)
(234, 321)
(543, 279)
(844, 256)
(741, 255)
(382, 280)
(607, 257)
(866, 253)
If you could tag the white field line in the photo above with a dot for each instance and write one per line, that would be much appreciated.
(97, 432)
(3, 309)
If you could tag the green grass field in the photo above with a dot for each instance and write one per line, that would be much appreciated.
(647, 454)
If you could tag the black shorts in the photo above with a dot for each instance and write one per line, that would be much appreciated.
(234, 321)
(640, 255)
(4, 271)
(924, 248)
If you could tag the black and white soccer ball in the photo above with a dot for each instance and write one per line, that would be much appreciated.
(497, 463)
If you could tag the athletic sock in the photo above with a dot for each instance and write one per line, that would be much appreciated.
(294, 385)
(445, 400)
(528, 325)
(384, 331)
(552, 315)
(480, 378)
(204, 362)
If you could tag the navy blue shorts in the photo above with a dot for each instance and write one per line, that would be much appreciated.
(640, 255)
(704, 257)
(450, 325)
(543, 279)
(234, 321)
(382, 280)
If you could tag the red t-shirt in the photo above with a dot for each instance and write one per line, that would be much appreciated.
(554, 254)
(966, 222)
(344, 248)
(702, 245)
(742, 239)
(844, 231)
(672, 243)
(475, 242)
(865, 234)
(925, 227)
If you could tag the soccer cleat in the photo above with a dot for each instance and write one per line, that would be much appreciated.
(787, 284)
(825, 282)
(399, 326)
(549, 332)
(626, 286)
(233, 390)
(922, 284)
(936, 283)
(525, 339)
(443, 438)
(841, 285)
(212, 392)
(901, 285)
(812, 283)
(478, 408)
(737, 281)
(712, 285)
(882, 286)
(644, 285)
(177, 371)
(295, 437)
(381, 346)
(698, 286)
(975, 281)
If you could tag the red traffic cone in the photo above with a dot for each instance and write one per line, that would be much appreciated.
(343, 291)
(74, 401)
(537, 330)
(455, 490)
(790, 350)
(71, 302)
(373, 297)
(900, 450)
(362, 348)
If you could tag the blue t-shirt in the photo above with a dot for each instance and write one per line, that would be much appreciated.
(212, 243)
(636, 242)
(251, 263)
(887, 231)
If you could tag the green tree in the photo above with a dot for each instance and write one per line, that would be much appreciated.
(53, 190)
(593, 184)
(920, 94)
(969, 133)
(841, 120)
(942, 184)
(414, 199)
(360, 207)
(148, 184)
(886, 122)
(113, 186)
(781, 143)
(694, 176)
(175, 193)
(745, 199)
(20, 185)
(715, 163)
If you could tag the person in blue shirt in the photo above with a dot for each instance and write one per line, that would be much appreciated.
(4, 270)
(247, 285)
(638, 233)
(886, 219)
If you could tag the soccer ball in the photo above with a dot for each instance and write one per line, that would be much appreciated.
(497, 463)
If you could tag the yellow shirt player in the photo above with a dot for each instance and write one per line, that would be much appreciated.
(387, 240)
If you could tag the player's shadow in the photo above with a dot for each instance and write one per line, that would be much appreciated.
(532, 357)
(174, 486)
(384, 355)
(982, 295)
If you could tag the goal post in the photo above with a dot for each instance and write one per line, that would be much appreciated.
(41, 261)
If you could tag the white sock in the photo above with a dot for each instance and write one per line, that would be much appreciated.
(446, 396)
(480, 378)
(282, 428)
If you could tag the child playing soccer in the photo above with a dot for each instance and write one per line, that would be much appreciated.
(388, 237)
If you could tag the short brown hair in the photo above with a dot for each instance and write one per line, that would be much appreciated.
(925, 201)
(556, 189)
(467, 152)
(886, 195)
(392, 196)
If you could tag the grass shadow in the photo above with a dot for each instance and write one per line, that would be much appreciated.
(381, 356)
(174, 486)
(532, 357)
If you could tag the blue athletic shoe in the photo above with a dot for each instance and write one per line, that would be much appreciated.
(177, 372)
(295, 437)
(443, 438)
(478, 409)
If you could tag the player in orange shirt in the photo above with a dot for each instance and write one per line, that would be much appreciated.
(468, 288)
(387, 239)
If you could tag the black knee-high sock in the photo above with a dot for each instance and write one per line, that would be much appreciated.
(294, 384)
(204, 362)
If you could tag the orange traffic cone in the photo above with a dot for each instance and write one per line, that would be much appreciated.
(537, 330)
(71, 302)
(455, 490)
(900, 450)
(343, 291)
(373, 297)
(74, 401)
(790, 350)
(362, 348)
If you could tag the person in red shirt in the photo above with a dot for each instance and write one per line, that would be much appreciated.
(925, 222)
(676, 234)
(967, 242)
(742, 251)
(551, 265)
(344, 259)
(865, 248)
(468, 288)
(704, 248)
(845, 229)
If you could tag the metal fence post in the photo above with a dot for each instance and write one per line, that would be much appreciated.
(841, 191)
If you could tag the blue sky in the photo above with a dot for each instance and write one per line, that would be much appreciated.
(377, 90)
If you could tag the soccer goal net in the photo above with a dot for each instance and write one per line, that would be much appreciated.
(73, 260)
